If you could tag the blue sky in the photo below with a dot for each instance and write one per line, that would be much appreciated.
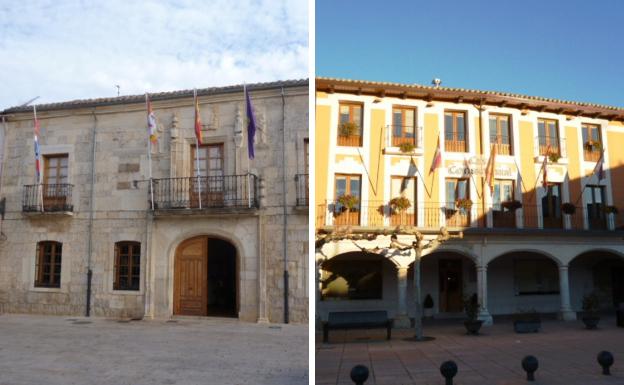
(73, 49)
(572, 50)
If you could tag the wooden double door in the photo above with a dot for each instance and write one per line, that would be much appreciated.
(451, 285)
(205, 278)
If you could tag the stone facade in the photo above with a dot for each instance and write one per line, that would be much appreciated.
(120, 208)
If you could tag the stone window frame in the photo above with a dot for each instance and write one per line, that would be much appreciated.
(65, 263)
(125, 236)
(130, 266)
(56, 258)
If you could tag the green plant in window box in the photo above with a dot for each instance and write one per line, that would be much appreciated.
(400, 204)
(554, 157)
(512, 205)
(568, 208)
(591, 145)
(463, 203)
(347, 129)
(349, 202)
(610, 210)
(406, 147)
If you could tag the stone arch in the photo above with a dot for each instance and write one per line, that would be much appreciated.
(597, 271)
(232, 248)
(528, 251)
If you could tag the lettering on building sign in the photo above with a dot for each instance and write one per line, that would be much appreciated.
(476, 166)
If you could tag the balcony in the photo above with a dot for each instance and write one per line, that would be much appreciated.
(302, 182)
(455, 145)
(379, 214)
(398, 135)
(48, 198)
(436, 215)
(501, 148)
(350, 140)
(545, 145)
(206, 193)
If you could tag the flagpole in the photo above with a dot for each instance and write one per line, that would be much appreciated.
(248, 158)
(149, 151)
(197, 147)
(38, 159)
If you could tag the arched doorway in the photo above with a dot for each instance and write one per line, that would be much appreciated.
(597, 271)
(205, 278)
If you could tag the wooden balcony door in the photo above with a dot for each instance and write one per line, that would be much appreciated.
(211, 184)
(503, 192)
(548, 132)
(403, 125)
(456, 189)
(594, 202)
(55, 179)
(551, 207)
(347, 185)
(455, 133)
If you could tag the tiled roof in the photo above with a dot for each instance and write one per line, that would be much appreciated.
(348, 85)
(128, 99)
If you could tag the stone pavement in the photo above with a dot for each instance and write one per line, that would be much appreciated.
(64, 350)
(566, 353)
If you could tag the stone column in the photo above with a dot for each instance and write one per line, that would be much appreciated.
(482, 293)
(566, 312)
(401, 320)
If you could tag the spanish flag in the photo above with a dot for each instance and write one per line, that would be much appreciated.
(198, 125)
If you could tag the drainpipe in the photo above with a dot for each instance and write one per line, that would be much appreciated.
(284, 208)
(90, 236)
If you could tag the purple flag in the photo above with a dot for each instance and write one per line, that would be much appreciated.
(251, 126)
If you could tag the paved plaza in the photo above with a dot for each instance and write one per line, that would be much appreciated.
(64, 350)
(566, 353)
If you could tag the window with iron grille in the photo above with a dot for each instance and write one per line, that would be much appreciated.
(48, 269)
(127, 266)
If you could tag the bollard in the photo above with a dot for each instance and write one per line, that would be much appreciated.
(605, 359)
(359, 374)
(530, 365)
(448, 370)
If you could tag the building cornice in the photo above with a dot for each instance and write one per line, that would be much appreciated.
(477, 97)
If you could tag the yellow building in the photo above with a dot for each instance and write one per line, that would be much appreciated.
(538, 233)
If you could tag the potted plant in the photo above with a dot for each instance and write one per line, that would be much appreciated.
(463, 203)
(428, 306)
(553, 157)
(347, 129)
(568, 208)
(406, 147)
(527, 321)
(348, 202)
(610, 210)
(399, 204)
(471, 307)
(512, 205)
(591, 306)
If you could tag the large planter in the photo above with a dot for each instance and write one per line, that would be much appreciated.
(473, 326)
(527, 326)
(591, 321)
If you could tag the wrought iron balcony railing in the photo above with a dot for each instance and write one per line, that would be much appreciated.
(47, 198)
(550, 144)
(206, 192)
(303, 189)
(435, 215)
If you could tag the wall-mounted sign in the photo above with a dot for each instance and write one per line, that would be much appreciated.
(476, 166)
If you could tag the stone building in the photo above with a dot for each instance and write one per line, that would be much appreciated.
(226, 243)
(543, 234)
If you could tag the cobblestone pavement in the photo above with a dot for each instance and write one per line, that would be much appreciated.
(566, 353)
(38, 350)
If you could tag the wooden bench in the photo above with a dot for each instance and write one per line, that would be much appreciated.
(357, 320)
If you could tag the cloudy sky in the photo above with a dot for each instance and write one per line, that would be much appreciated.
(63, 49)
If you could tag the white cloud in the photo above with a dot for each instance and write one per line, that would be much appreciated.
(62, 50)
